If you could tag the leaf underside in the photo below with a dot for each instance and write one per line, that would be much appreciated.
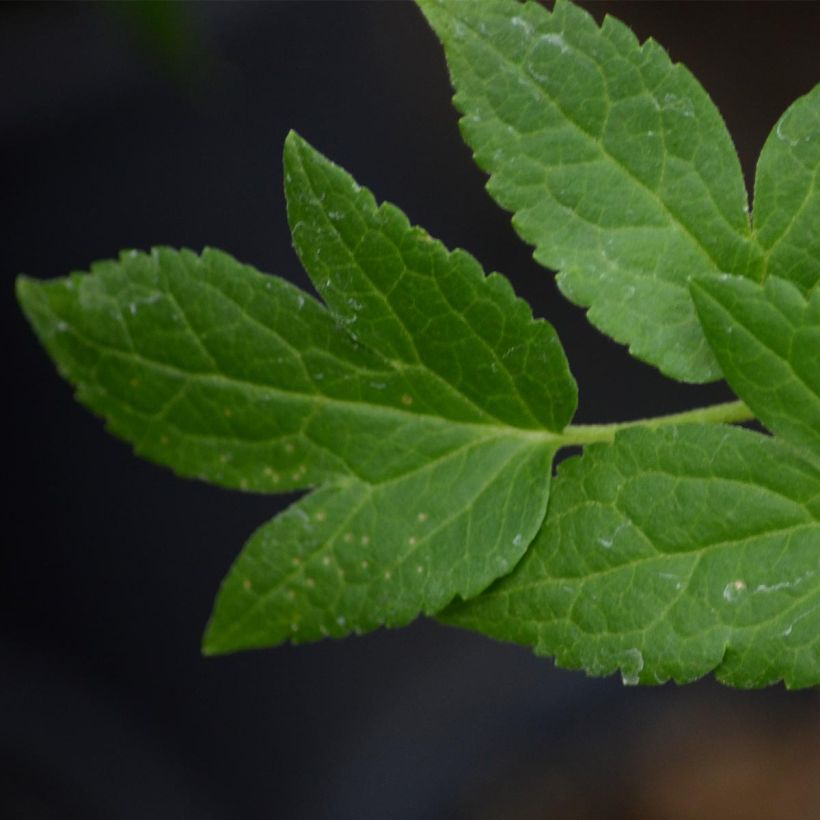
(669, 554)
(423, 403)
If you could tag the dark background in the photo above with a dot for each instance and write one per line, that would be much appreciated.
(121, 127)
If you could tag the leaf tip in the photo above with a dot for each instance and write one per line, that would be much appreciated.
(293, 139)
(290, 149)
(24, 289)
(299, 155)
(705, 290)
(33, 301)
(212, 643)
(697, 283)
(701, 294)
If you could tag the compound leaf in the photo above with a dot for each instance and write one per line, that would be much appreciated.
(767, 340)
(668, 554)
(428, 424)
(787, 194)
(614, 161)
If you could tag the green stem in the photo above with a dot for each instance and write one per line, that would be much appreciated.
(728, 413)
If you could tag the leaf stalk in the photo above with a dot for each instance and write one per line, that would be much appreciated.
(731, 412)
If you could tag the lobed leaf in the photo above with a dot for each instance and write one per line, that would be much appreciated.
(428, 423)
(614, 161)
(767, 340)
(669, 554)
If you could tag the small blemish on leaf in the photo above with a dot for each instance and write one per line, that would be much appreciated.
(632, 665)
(733, 590)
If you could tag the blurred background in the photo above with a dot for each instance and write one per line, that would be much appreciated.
(127, 125)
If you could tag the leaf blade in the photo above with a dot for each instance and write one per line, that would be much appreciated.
(670, 554)
(384, 553)
(144, 340)
(787, 194)
(767, 340)
(394, 286)
(238, 378)
(587, 109)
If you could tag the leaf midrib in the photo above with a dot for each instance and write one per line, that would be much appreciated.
(543, 436)
(695, 553)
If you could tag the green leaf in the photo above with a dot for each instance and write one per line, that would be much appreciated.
(614, 161)
(668, 554)
(425, 405)
(787, 194)
(767, 340)
(396, 289)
